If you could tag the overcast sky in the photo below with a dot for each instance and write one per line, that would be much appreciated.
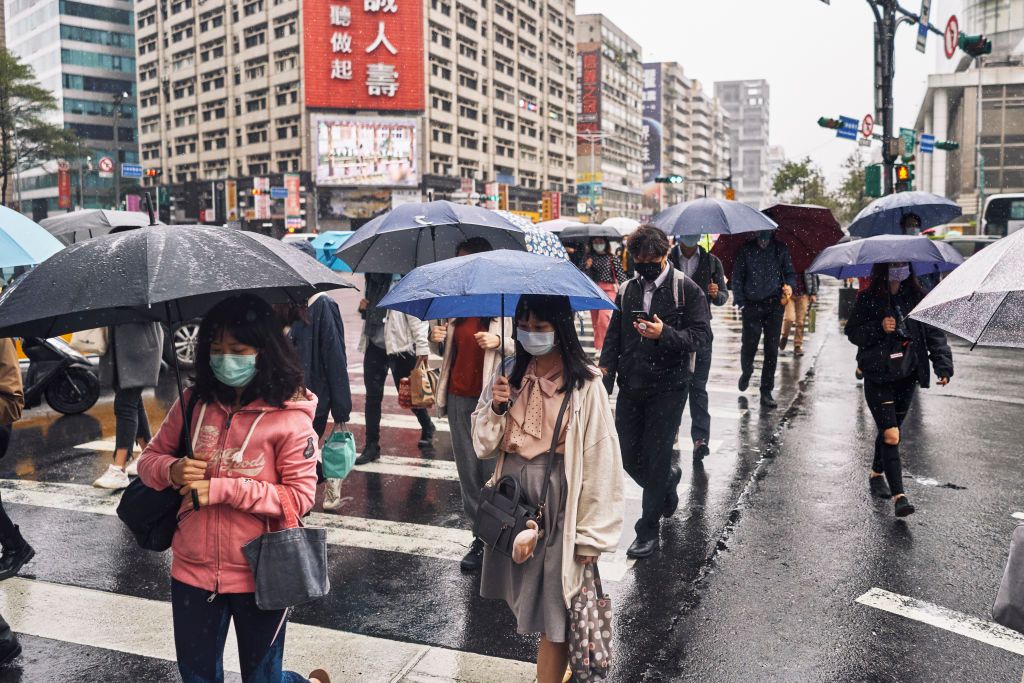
(817, 58)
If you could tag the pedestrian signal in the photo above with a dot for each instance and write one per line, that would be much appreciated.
(730, 194)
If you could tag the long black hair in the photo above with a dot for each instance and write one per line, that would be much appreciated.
(556, 311)
(253, 322)
(880, 280)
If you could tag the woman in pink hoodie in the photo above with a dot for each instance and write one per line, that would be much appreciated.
(252, 437)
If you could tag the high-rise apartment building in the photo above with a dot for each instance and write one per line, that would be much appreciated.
(668, 134)
(370, 102)
(710, 154)
(82, 51)
(610, 144)
(746, 103)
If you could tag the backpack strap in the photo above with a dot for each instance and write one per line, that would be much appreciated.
(678, 293)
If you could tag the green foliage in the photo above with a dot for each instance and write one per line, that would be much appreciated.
(27, 135)
(802, 182)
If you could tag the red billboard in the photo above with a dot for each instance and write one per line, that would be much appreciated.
(588, 78)
(364, 54)
(63, 187)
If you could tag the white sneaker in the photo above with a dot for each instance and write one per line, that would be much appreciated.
(132, 470)
(114, 478)
(332, 495)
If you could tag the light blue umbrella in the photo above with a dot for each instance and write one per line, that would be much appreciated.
(488, 285)
(711, 216)
(326, 244)
(22, 241)
(884, 215)
(858, 258)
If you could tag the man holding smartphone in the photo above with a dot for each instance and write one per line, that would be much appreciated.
(662, 321)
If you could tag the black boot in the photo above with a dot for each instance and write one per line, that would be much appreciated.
(371, 452)
(427, 435)
(9, 649)
(17, 553)
(474, 559)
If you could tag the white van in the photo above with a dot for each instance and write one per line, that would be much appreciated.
(1004, 214)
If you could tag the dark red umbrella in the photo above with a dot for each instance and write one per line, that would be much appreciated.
(806, 229)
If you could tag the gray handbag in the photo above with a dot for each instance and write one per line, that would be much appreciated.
(290, 565)
(1008, 609)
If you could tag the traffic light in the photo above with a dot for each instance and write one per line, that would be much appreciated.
(154, 172)
(256, 192)
(826, 122)
(975, 46)
(947, 145)
(730, 194)
(673, 179)
(903, 176)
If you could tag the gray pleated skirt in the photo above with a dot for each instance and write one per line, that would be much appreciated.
(534, 589)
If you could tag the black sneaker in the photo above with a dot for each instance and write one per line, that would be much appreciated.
(903, 507)
(13, 560)
(427, 436)
(744, 382)
(879, 487)
(798, 350)
(9, 650)
(700, 451)
(474, 559)
(767, 401)
(371, 452)
(783, 340)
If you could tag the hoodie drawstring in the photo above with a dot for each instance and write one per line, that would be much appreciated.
(238, 456)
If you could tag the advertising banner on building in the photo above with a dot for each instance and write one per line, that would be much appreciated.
(293, 202)
(588, 78)
(363, 54)
(261, 198)
(354, 151)
(231, 200)
(63, 187)
(653, 132)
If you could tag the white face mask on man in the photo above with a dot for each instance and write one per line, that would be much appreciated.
(536, 343)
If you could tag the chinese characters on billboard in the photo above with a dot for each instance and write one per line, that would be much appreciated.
(652, 126)
(363, 54)
(588, 76)
(365, 151)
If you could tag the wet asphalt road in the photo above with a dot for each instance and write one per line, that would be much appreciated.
(756, 580)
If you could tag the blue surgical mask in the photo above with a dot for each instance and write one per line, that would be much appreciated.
(536, 343)
(233, 370)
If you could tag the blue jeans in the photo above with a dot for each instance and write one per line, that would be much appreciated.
(700, 418)
(201, 629)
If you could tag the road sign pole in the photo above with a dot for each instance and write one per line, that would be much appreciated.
(885, 33)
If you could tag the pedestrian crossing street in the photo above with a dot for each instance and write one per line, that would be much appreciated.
(400, 610)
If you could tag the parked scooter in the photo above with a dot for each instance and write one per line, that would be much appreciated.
(61, 374)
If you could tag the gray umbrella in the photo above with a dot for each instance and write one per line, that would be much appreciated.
(167, 273)
(982, 300)
(585, 231)
(711, 216)
(82, 225)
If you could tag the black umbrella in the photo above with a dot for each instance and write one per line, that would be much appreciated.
(166, 273)
(589, 231)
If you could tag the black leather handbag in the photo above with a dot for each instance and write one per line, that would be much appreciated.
(504, 510)
(151, 515)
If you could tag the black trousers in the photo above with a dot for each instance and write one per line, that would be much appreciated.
(889, 403)
(9, 536)
(132, 423)
(648, 423)
(376, 365)
(762, 318)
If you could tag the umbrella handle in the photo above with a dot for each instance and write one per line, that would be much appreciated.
(504, 406)
(181, 402)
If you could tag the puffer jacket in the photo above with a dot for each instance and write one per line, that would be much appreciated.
(249, 450)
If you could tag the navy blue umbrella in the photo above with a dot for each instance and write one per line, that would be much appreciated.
(709, 216)
(415, 234)
(857, 258)
(885, 215)
(489, 285)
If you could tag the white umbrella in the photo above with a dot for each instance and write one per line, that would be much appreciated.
(558, 225)
(82, 225)
(625, 226)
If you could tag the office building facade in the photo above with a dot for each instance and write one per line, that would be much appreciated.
(747, 106)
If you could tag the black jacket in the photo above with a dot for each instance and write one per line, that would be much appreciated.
(864, 329)
(709, 269)
(758, 274)
(320, 344)
(641, 363)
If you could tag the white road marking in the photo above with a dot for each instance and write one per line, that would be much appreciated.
(423, 540)
(977, 629)
(1018, 515)
(139, 626)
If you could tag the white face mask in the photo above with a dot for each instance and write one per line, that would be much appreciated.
(536, 343)
(599, 248)
(899, 273)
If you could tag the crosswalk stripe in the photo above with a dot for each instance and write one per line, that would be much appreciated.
(142, 627)
(423, 540)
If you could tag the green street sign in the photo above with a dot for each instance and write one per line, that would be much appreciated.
(908, 138)
(873, 180)
(161, 197)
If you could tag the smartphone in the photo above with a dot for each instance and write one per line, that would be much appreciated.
(638, 315)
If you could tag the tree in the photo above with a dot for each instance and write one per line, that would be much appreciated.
(27, 138)
(850, 195)
(802, 182)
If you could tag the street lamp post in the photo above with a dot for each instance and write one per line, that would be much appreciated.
(119, 99)
(593, 139)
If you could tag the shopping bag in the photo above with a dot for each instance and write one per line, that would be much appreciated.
(423, 386)
(590, 629)
(339, 454)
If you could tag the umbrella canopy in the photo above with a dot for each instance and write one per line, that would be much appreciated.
(883, 216)
(22, 241)
(414, 234)
(625, 226)
(857, 258)
(983, 301)
(83, 225)
(166, 273)
(806, 229)
(585, 231)
(558, 225)
(711, 216)
(545, 243)
(326, 246)
(489, 285)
